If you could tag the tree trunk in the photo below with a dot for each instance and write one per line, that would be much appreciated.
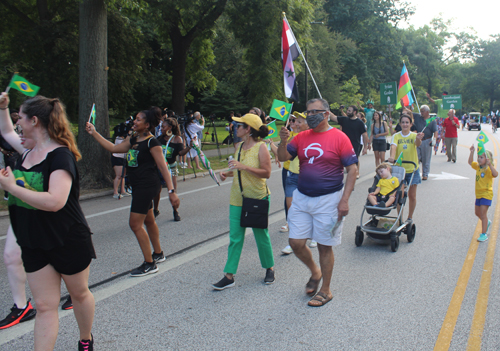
(95, 168)
(180, 47)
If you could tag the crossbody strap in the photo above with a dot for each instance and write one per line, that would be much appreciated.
(239, 175)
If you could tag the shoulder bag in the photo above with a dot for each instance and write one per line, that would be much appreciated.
(254, 212)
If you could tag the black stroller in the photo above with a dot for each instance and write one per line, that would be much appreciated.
(392, 226)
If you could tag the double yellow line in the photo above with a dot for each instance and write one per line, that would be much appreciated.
(478, 320)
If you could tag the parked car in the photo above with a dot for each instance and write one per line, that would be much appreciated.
(473, 122)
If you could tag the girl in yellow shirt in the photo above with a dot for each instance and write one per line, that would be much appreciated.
(485, 172)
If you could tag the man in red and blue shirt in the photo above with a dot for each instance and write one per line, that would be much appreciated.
(321, 199)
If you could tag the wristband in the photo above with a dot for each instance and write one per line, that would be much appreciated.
(171, 191)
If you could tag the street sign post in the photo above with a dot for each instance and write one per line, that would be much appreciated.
(388, 93)
(452, 102)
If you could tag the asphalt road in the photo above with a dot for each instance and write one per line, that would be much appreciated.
(439, 292)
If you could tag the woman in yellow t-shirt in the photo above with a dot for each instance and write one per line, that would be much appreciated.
(254, 166)
(406, 142)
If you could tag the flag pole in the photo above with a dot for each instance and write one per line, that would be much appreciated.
(288, 119)
(301, 54)
(8, 87)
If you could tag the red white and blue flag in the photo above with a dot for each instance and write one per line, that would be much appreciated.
(405, 89)
(290, 52)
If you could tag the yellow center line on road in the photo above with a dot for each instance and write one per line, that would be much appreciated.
(446, 333)
(477, 327)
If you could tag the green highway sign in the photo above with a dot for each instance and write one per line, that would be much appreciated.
(452, 102)
(388, 93)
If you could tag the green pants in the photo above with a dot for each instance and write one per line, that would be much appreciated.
(236, 239)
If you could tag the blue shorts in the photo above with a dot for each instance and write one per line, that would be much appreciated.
(292, 180)
(416, 178)
(482, 201)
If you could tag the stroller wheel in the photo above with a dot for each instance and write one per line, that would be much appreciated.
(394, 243)
(358, 240)
(411, 233)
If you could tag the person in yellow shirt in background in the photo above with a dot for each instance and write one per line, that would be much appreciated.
(384, 195)
(485, 172)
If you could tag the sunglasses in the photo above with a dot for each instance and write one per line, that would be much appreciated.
(292, 120)
(241, 125)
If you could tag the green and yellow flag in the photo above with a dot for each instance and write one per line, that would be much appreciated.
(92, 115)
(399, 161)
(482, 137)
(25, 87)
(280, 110)
(429, 120)
(480, 148)
(273, 130)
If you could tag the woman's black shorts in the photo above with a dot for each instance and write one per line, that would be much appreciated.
(142, 199)
(116, 161)
(68, 259)
(379, 145)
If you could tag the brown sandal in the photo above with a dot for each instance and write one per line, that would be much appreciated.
(320, 297)
(312, 284)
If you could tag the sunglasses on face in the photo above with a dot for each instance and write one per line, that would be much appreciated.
(241, 125)
(292, 120)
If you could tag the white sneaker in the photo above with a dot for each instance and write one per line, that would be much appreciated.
(116, 196)
(125, 194)
(284, 228)
(287, 250)
(313, 244)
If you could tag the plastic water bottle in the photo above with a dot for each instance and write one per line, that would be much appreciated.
(229, 159)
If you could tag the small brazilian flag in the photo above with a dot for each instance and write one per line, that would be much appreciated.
(399, 161)
(480, 148)
(482, 137)
(429, 120)
(92, 115)
(273, 131)
(25, 87)
(280, 110)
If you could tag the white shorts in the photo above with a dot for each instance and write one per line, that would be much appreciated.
(314, 218)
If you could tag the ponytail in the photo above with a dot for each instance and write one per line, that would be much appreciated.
(52, 115)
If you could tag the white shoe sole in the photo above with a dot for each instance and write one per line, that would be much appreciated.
(145, 273)
(224, 287)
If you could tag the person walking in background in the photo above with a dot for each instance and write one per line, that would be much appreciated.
(440, 136)
(430, 133)
(485, 172)
(369, 111)
(450, 126)
(250, 169)
(320, 201)
(144, 158)
(355, 129)
(192, 130)
(379, 132)
(118, 162)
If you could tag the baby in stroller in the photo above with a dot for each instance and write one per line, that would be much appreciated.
(385, 191)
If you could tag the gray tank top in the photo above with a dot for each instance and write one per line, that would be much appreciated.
(377, 130)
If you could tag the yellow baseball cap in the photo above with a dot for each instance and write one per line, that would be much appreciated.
(298, 114)
(250, 119)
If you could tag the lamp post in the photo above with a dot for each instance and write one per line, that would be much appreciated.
(305, 79)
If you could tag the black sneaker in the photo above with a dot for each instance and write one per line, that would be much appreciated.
(68, 304)
(224, 283)
(18, 315)
(381, 204)
(144, 269)
(86, 345)
(156, 213)
(269, 279)
(177, 218)
(158, 258)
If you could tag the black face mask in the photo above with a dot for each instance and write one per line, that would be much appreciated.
(314, 120)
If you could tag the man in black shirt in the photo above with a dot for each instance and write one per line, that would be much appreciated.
(355, 129)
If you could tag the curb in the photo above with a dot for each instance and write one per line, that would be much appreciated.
(107, 192)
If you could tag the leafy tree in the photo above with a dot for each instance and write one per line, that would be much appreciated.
(349, 94)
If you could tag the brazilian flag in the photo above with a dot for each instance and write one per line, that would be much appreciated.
(482, 137)
(280, 110)
(399, 161)
(480, 148)
(273, 131)
(25, 87)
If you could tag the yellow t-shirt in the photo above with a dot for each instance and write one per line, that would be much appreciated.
(253, 187)
(286, 164)
(387, 185)
(406, 145)
(484, 182)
